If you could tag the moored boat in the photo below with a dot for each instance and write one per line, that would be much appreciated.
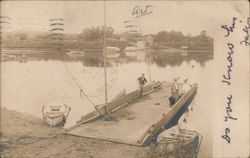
(132, 51)
(55, 114)
(179, 141)
(76, 53)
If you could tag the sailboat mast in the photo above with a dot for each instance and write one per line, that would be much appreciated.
(145, 52)
(104, 55)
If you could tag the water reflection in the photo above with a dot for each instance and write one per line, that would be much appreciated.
(95, 59)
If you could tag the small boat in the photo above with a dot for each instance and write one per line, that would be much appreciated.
(55, 114)
(76, 53)
(182, 141)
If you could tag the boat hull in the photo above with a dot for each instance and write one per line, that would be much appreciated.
(178, 143)
(54, 121)
(55, 114)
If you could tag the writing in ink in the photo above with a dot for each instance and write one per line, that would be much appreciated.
(227, 75)
(229, 109)
(138, 11)
(246, 29)
(229, 28)
(226, 136)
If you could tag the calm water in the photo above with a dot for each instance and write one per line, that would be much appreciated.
(39, 80)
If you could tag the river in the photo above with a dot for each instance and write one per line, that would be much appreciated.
(27, 85)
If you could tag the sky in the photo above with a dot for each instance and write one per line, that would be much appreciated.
(187, 17)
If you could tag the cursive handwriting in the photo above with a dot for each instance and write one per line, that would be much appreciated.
(227, 76)
(229, 109)
(137, 11)
(246, 29)
(229, 28)
(226, 136)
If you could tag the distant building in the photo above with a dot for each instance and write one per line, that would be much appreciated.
(149, 40)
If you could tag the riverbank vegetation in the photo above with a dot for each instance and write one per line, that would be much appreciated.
(92, 38)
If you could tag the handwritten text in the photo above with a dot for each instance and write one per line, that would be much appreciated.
(246, 29)
(139, 11)
(229, 28)
(227, 76)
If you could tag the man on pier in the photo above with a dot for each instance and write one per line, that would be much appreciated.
(142, 81)
(186, 86)
(174, 92)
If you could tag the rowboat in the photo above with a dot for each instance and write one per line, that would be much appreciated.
(182, 141)
(55, 114)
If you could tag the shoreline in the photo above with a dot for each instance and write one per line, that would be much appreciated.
(24, 135)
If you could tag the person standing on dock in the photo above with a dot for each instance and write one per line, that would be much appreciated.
(174, 92)
(186, 86)
(142, 81)
(185, 89)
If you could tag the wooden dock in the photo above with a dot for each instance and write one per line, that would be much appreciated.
(138, 121)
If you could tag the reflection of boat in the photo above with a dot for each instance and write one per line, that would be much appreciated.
(132, 51)
(180, 142)
(137, 51)
(7, 57)
(55, 114)
(76, 53)
(112, 52)
(184, 50)
(184, 53)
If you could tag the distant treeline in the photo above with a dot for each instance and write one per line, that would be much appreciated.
(178, 40)
(92, 38)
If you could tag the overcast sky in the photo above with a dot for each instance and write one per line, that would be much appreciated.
(187, 17)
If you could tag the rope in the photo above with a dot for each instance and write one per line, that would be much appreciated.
(112, 81)
(78, 85)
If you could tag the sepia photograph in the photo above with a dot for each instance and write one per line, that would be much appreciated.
(123, 79)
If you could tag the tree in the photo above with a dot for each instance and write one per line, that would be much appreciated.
(164, 36)
(22, 37)
(96, 33)
(161, 36)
